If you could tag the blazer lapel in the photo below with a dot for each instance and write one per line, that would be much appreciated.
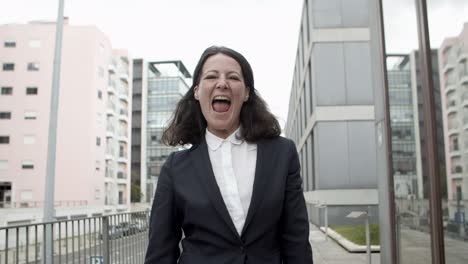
(202, 164)
(260, 181)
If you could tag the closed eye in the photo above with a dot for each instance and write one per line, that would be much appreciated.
(210, 77)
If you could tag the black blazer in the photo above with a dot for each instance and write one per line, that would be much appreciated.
(187, 198)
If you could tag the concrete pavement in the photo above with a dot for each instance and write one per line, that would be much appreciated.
(329, 252)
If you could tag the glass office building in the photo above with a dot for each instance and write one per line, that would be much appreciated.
(163, 85)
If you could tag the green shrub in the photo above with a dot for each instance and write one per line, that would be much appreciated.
(357, 234)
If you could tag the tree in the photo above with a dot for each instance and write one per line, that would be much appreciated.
(135, 193)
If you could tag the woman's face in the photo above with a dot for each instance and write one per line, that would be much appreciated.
(221, 93)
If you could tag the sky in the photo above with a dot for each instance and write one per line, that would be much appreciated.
(264, 31)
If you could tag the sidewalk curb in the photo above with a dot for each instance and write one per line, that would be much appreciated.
(346, 244)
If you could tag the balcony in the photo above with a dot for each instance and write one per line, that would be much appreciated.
(455, 151)
(453, 128)
(111, 87)
(465, 123)
(449, 87)
(456, 172)
(122, 159)
(452, 107)
(123, 115)
(448, 66)
(123, 136)
(110, 108)
(110, 131)
(109, 173)
(464, 98)
(462, 56)
(124, 76)
(123, 94)
(456, 176)
(121, 175)
(111, 68)
(110, 153)
(463, 79)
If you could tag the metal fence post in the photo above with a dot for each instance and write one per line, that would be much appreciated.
(105, 239)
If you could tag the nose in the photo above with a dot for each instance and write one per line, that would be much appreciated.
(222, 83)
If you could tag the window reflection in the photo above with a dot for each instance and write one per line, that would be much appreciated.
(449, 45)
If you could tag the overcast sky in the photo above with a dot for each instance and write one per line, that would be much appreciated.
(265, 31)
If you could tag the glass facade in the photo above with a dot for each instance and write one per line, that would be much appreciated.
(402, 134)
(428, 139)
(164, 92)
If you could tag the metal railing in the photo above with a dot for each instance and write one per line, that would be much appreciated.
(119, 238)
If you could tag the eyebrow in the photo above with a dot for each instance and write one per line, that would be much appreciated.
(217, 72)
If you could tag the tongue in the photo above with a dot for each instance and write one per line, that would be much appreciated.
(221, 106)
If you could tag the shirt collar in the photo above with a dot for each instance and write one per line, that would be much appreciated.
(215, 142)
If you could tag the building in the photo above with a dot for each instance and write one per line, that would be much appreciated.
(331, 114)
(403, 130)
(408, 138)
(158, 88)
(93, 131)
(453, 55)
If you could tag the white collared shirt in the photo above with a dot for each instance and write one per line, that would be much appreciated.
(233, 161)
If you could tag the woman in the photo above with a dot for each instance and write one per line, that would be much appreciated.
(236, 193)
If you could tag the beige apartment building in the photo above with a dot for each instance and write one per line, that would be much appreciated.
(453, 55)
(94, 122)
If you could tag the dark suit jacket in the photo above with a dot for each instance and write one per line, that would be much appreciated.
(187, 198)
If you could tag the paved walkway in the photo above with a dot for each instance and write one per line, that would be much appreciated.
(329, 252)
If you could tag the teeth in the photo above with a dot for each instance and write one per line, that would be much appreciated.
(220, 97)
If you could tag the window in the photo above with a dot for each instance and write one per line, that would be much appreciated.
(29, 139)
(31, 90)
(5, 115)
(4, 139)
(9, 44)
(99, 94)
(8, 66)
(33, 66)
(98, 141)
(27, 165)
(3, 164)
(34, 43)
(7, 90)
(29, 115)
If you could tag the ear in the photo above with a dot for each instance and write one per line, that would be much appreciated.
(195, 92)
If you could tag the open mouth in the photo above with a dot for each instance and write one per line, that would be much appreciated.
(221, 104)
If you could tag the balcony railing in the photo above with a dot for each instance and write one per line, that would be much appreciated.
(111, 105)
(110, 128)
(452, 125)
(458, 196)
(119, 238)
(121, 175)
(457, 169)
(124, 112)
(109, 173)
(110, 151)
(123, 133)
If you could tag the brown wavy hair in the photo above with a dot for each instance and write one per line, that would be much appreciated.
(188, 124)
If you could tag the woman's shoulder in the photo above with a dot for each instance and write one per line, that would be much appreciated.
(279, 141)
(179, 155)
